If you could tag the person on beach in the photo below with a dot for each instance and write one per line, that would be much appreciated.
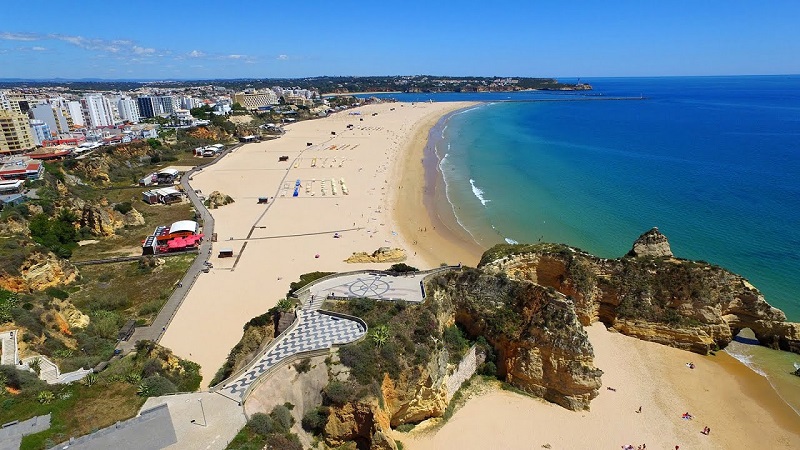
(639, 410)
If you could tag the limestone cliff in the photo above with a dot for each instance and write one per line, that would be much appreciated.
(541, 345)
(651, 243)
(650, 294)
(37, 272)
(133, 218)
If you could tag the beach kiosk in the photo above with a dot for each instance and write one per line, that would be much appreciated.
(167, 175)
(226, 253)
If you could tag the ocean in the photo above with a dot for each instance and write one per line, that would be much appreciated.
(713, 162)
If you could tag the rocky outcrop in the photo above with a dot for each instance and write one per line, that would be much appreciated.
(71, 315)
(541, 345)
(364, 423)
(133, 218)
(100, 220)
(381, 255)
(651, 243)
(37, 272)
(651, 295)
(217, 199)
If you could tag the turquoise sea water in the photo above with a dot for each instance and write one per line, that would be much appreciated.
(713, 162)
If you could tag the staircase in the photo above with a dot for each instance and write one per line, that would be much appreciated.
(10, 351)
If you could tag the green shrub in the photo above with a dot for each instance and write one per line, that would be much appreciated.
(124, 207)
(261, 423)
(57, 293)
(303, 366)
(338, 393)
(402, 268)
(406, 427)
(361, 360)
(314, 420)
(282, 418)
(286, 441)
(156, 386)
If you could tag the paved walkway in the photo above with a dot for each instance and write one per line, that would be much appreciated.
(48, 372)
(376, 285)
(11, 436)
(151, 429)
(10, 354)
(314, 330)
(155, 331)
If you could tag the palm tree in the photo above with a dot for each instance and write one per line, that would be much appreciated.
(380, 335)
(45, 397)
(90, 379)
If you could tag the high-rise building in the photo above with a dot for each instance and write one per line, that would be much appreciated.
(15, 132)
(146, 107)
(52, 116)
(256, 99)
(40, 131)
(166, 104)
(96, 111)
(128, 109)
(189, 102)
(76, 112)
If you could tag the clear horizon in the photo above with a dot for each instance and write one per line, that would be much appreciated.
(164, 41)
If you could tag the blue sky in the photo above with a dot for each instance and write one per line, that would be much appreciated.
(235, 39)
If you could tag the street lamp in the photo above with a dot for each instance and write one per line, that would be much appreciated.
(205, 423)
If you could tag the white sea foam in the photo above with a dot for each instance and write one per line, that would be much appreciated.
(744, 358)
(511, 241)
(478, 192)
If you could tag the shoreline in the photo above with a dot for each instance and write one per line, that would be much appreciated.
(429, 202)
(418, 207)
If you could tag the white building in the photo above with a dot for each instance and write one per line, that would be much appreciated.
(96, 111)
(128, 109)
(76, 113)
(40, 131)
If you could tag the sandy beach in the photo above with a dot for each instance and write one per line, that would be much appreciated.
(737, 404)
(274, 244)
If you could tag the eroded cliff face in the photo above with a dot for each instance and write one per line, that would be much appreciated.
(37, 272)
(364, 423)
(542, 347)
(650, 294)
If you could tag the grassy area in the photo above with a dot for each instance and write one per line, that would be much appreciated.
(115, 394)
(128, 240)
(134, 290)
(76, 410)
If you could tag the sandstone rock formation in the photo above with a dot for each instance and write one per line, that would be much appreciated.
(686, 304)
(381, 255)
(37, 272)
(101, 221)
(217, 199)
(72, 315)
(541, 345)
(651, 243)
(363, 422)
(133, 218)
